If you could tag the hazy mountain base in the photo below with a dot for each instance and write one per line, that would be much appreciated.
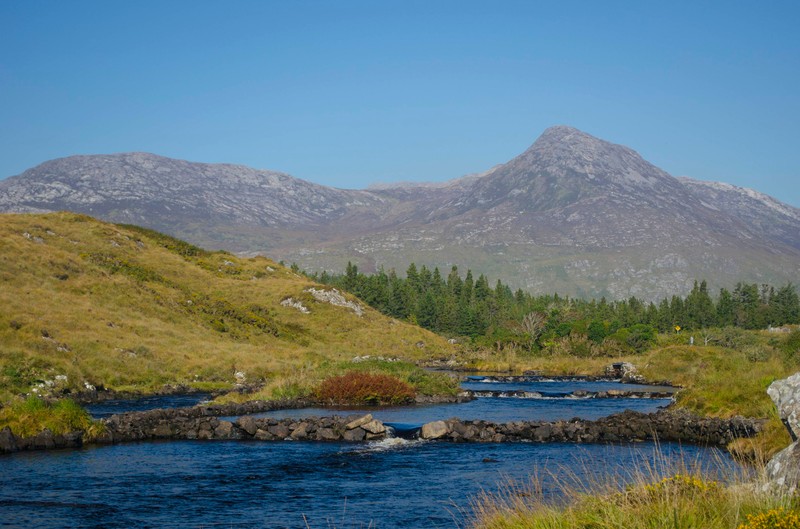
(86, 303)
(592, 273)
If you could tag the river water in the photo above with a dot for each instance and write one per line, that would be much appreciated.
(394, 483)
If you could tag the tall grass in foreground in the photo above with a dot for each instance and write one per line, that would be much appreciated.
(663, 495)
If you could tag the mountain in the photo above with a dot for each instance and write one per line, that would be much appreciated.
(573, 213)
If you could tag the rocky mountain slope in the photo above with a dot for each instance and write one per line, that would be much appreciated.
(573, 213)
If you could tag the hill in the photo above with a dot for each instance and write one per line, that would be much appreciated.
(573, 214)
(87, 302)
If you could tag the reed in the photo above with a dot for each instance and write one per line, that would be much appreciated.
(664, 494)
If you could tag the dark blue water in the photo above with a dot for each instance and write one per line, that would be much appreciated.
(502, 409)
(194, 484)
(479, 383)
(489, 409)
(393, 483)
(101, 410)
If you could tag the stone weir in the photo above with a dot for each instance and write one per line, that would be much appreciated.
(202, 423)
(664, 425)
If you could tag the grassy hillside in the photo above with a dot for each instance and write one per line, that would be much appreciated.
(128, 308)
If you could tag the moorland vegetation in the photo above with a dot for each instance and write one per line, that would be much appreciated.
(88, 304)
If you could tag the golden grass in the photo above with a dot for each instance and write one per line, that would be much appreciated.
(667, 495)
(126, 308)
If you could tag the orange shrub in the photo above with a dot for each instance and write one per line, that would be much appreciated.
(356, 387)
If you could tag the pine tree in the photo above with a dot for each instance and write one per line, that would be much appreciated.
(725, 308)
(426, 312)
(700, 313)
(786, 306)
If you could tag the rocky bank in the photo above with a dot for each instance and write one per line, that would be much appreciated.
(203, 423)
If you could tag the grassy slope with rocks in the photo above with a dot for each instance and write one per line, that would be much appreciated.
(87, 302)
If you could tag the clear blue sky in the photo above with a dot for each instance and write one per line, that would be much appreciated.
(348, 93)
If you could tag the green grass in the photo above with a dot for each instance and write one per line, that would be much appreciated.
(27, 417)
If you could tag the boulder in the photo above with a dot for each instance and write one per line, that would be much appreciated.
(44, 440)
(624, 371)
(247, 424)
(327, 434)
(8, 442)
(281, 431)
(301, 432)
(374, 427)
(786, 396)
(73, 439)
(205, 431)
(357, 434)
(783, 470)
(543, 433)
(162, 430)
(434, 430)
(263, 435)
(224, 430)
(359, 422)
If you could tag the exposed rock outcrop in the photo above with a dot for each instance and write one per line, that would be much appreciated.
(337, 299)
(783, 470)
(625, 371)
(786, 396)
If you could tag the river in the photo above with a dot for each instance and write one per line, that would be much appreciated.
(395, 483)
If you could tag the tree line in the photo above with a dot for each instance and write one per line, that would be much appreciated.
(469, 306)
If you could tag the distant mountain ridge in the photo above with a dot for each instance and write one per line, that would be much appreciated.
(572, 213)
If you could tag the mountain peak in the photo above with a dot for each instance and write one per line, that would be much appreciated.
(566, 138)
(563, 132)
(566, 154)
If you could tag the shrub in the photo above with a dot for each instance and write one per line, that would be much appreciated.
(683, 484)
(735, 338)
(640, 337)
(773, 519)
(572, 345)
(364, 388)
